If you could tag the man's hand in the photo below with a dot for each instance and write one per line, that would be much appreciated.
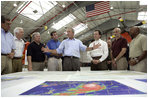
(45, 49)
(11, 55)
(29, 68)
(132, 62)
(109, 62)
(96, 46)
(95, 61)
(114, 63)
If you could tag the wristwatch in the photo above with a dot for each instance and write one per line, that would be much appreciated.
(137, 60)
(115, 59)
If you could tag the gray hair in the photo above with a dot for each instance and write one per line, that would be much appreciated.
(16, 30)
(35, 33)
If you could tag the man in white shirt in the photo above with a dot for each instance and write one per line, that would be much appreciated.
(98, 55)
(17, 60)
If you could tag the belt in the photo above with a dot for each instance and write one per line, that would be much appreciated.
(55, 57)
(72, 57)
(4, 54)
(97, 57)
(17, 58)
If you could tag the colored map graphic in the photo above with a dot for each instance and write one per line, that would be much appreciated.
(82, 88)
(10, 78)
(143, 80)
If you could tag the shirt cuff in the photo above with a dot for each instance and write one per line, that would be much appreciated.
(101, 60)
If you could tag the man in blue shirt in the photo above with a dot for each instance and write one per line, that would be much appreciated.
(7, 46)
(54, 61)
(70, 48)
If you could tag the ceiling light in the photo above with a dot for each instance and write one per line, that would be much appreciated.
(118, 25)
(15, 5)
(63, 6)
(111, 7)
(21, 21)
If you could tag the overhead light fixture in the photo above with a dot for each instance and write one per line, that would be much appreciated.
(63, 6)
(53, 23)
(21, 21)
(118, 25)
(15, 5)
(111, 7)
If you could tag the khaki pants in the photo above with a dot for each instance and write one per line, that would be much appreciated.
(54, 64)
(17, 65)
(141, 66)
(122, 64)
(6, 65)
(38, 66)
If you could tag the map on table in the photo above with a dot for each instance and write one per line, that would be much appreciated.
(143, 80)
(10, 78)
(82, 88)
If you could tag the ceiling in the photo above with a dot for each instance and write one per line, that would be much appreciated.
(128, 10)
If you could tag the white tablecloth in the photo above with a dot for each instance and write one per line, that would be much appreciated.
(26, 80)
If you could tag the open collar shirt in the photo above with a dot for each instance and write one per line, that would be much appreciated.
(19, 47)
(7, 42)
(100, 51)
(71, 47)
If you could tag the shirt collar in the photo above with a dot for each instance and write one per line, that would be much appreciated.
(54, 40)
(71, 39)
(98, 40)
(137, 36)
(4, 30)
(15, 38)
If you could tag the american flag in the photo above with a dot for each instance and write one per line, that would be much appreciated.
(97, 8)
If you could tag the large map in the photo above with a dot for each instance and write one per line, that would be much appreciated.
(81, 88)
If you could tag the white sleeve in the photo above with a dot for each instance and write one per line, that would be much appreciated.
(105, 52)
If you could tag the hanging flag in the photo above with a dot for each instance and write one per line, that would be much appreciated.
(97, 8)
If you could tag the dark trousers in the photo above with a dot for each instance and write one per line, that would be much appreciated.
(99, 66)
(71, 64)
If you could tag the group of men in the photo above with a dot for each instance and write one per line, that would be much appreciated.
(11, 47)
(64, 56)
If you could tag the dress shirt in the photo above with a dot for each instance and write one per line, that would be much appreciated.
(7, 42)
(100, 51)
(19, 47)
(52, 44)
(71, 47)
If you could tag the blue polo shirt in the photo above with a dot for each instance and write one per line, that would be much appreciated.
(52, 44)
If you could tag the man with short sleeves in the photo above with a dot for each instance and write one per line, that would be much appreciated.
(118, 51)
(138, 51)
(70, 48)
(7, 46)
(19, 42)
(35, 56)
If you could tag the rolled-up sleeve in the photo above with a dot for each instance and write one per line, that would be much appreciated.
(60, 49)
(82, 46)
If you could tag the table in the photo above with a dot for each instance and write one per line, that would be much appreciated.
(17, 83)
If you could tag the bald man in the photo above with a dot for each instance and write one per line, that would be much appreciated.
(118, 51)
(138, 51)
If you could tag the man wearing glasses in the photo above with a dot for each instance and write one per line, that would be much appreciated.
(7, 46)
